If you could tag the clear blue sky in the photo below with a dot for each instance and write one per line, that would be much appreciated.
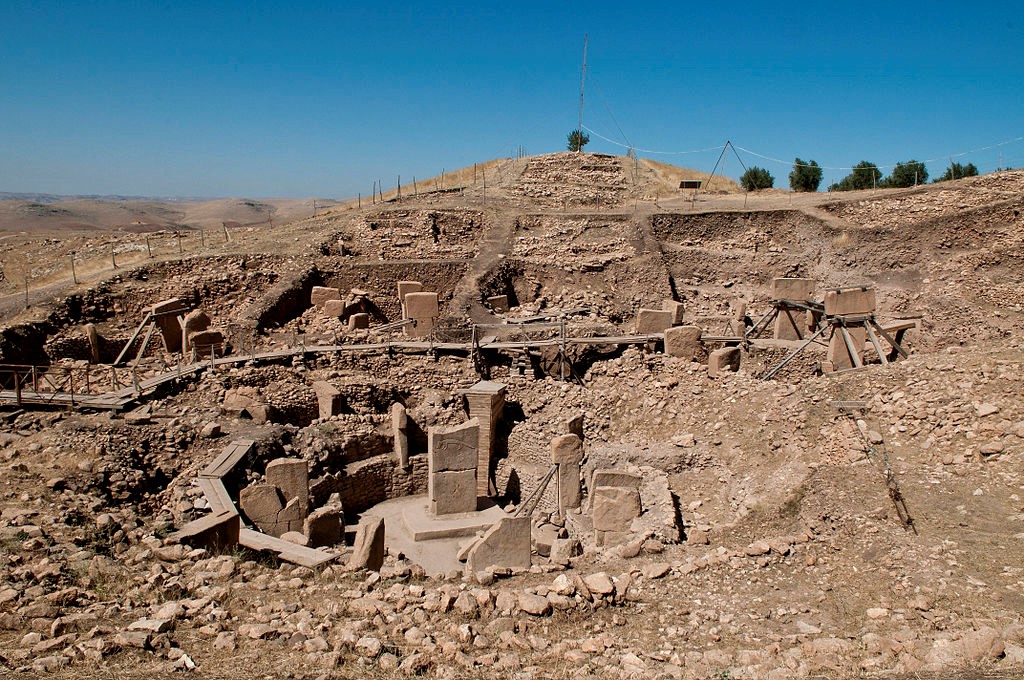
(308, 99)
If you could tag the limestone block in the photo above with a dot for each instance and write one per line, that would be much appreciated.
(335, 308)
(236, 404)
(324, 526)
(498, 303)
(574, 425)
(423, 309)
(168, 323)
(567, 448)
(838, 354)
(216, 531)
(329, 399)
(738, 316)
(797, 290)
(722, 360)
(358, 321)
(261, 503)
(195, 321)
(400, 431)
(291, 476)
(605, 477)
(321, 294)
(791, 324)
(506, 544)
(607, 539)
(653, 321)
(296, 537)
(676, 308)
(850, 302)
(94, 343)
(291, 518)
(570, 490)
(260, 413)
(569, 487)
(207, 342)
(543, 537)
(615, 508)
(453, 448)
(406, 287)
(683, 342)
(421, 305)
(564, 549)
(452, 492)
(368, 550)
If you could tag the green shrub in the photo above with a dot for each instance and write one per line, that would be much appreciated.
(756, 178)
(957, 171)
(577, 140)
(805, 176)
(865, 175)
(907, 174)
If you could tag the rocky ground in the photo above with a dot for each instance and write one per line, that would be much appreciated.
(793, 563)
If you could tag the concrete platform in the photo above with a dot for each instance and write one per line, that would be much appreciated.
(425, 527)
(436, 555)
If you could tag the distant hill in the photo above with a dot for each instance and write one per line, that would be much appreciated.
(49, 213)
(57, 198)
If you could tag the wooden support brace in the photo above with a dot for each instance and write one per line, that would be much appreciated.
(895, 345)
(851, 348)
(877, 345)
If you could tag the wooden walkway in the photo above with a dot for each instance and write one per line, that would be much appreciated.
(120, 398)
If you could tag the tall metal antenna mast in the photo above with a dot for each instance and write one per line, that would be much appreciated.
(583, 78)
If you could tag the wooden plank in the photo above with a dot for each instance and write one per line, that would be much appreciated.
(149, 315)
(228, 458)
(217, 495)
(899, 326)
(851, 348)
(874, 343)
(289, 552)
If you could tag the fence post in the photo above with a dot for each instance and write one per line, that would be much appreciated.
(149, 249)
(17, 386)
(74, 275)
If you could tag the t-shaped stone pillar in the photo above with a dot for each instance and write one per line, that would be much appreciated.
(486, 401)
(567, 453)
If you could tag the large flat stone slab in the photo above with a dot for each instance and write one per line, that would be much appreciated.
(417, 520)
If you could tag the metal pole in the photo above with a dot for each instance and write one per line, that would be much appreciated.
(561, 338)
(149, 249)
(74, 275)
(583, 78)
(113, 258)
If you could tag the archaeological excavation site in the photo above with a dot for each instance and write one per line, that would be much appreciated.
(548, 417)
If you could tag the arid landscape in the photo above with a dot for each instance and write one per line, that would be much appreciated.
(700, 435)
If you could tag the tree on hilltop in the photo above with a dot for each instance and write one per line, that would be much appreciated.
(865, 175)
(957, 171)
(906, 174)
(577, 140)
(805, 176)
(756, 178)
